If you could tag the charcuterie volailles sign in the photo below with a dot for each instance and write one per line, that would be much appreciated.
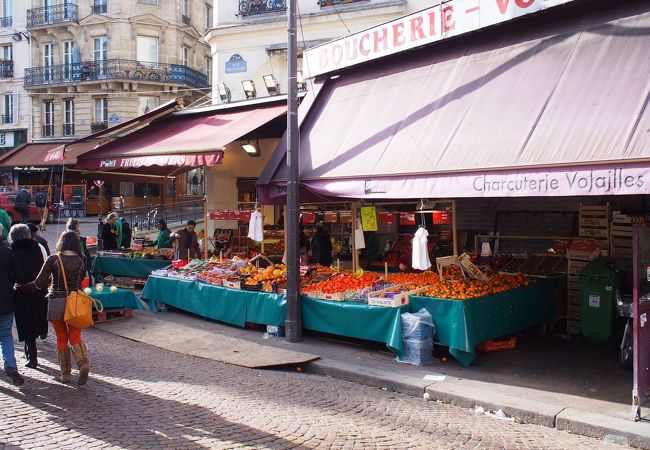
(446, 19)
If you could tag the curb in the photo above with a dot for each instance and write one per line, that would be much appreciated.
(609, 428)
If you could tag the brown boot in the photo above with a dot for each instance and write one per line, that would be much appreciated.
(81, 355)
(65, 362)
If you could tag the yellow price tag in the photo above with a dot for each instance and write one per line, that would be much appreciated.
(369, 218)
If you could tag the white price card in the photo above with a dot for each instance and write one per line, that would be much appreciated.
(594, 301)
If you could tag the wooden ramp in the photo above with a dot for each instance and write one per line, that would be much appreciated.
(160, 332)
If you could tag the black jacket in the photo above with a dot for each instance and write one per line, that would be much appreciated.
(109, 240)
(321, 249)
(43, 242)
(126, 234)
(9, 271)
(21, 203)
(31, 308)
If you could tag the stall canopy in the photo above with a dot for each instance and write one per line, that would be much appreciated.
(183, 140)
(552, 105)
(30, 155)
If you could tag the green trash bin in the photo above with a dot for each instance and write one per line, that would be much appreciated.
(598, 284)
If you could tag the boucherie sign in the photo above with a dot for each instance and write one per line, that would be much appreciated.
(433, 24)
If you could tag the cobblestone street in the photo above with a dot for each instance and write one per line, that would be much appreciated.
(141, 396)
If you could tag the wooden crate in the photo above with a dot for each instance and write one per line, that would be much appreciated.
(110, 314)
(621, 231)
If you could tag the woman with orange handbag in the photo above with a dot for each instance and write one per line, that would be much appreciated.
(66, 268)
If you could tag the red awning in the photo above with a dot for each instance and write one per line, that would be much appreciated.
(30, 155)
(179, 141)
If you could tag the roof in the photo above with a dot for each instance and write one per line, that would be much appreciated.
(29, 154)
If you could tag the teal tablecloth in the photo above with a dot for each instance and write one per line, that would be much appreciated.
(123, 298)
(463, 324)
(127, 267)
(217, 303)
(358, 320)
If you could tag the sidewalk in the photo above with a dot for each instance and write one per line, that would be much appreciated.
(528, 385)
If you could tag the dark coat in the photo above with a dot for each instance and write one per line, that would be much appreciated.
(31, 308)
(126, 234)
(43, 242)
(321, 249)
(21, 203)
(9, 271)
(187, 242)
(109, 240)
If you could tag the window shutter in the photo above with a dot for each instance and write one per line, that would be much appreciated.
(14, 112)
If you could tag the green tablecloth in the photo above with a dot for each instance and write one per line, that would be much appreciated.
(123, 298)
(358, 320)
(462, 324)
(222, 304)
(127, 267)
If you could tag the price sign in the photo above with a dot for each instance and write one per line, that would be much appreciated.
(331, 216)
(441, 218)
(244, 216)
(345, 216)
(308, 217)
(368, 218)
(386, 217)
(407, 218)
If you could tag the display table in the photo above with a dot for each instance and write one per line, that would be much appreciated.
(127, 267)
(357, 320)
(463, 324)
(225, 305)
(123, 298)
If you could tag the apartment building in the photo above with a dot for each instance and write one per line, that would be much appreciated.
(97, 63)
(14, 59)
(249, 38)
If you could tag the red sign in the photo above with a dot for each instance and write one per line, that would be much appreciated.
(345, 216)
(99, 183)
(233, 215)
(308, 217)
(223, 215)
(386, 217)
(331, 216)
(244, 216)
(441, 218)
(214, 215)
(407, 218)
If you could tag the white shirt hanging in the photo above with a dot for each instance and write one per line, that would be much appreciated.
(256, 227)
(420, 256)
(359, 239)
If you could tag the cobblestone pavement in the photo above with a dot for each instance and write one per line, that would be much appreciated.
(140, 396)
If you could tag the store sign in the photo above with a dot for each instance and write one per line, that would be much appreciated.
(30, 169)
(236, 64)
(7, 139)
(113, 119)
(433, 24)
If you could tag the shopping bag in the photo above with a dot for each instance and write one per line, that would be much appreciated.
(78, 306)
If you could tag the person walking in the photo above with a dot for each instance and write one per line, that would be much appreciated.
(21, 204)
(31, 307)
(321, 247)
(164, 239)
(187, 242)
(73, 225)
(42, 202)
(9, 272)
(110, 233)
(69, 261)
(33, 228)
(5, 221)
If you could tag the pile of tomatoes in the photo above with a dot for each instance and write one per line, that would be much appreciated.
(343, 282)
(465, 289)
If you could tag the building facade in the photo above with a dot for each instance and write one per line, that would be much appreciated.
(14, 59)
(249, 38)
(97, 63)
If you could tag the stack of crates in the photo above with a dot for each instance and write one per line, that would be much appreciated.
(620, 241)
(594, 224)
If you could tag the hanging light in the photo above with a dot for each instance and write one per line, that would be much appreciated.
(224, 92)
(300, 81)
(272, 85)
(253, 149)
(249, 88)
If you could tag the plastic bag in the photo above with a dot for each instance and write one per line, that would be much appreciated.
(418, 326)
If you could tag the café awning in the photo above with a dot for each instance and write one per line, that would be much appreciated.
(183, 140)
(548, 98)
(30, 155)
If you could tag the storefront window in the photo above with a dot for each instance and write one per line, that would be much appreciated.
(140, 189)
(195, 182)
(126, 189)
(154, 190)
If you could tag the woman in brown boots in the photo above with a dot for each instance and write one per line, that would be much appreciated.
(68, 262)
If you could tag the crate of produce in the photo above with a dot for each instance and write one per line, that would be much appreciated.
(232, 283)
(497, 345)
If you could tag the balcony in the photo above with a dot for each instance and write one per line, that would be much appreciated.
(48, 130)
(186, 20)
(100, 7)
(115, 70)
(68, 129)
(251, 7)
(7, 119)
(6, 69)
(52, 15)
(6, 22)
(96, 127)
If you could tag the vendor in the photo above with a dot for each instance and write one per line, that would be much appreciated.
(321, 246)
(221, 242)
(405, 263)
(187, 242)
(110, 233)
(164, 239)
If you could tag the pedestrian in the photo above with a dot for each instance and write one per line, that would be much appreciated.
(109, 232)
(21, 204)
(68, 260)
(5, 221)
(164, 239)
(33, 228)
(187, 242)
(9, 273)
(31, 307)
(126, 234)
(73, 225)
(321, 246)
(42, 203)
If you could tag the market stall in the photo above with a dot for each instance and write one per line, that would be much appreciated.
(129, 268)
(119, 298)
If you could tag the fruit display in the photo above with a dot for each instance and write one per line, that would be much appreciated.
(143, 253)
(467, 288)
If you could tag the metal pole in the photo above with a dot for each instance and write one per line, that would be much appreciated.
(293, 321)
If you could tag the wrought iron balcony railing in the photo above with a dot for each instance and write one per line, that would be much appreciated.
(50, 15)
(100, 7)
(48, 130)
(96, 127)
(186, 20)
(68, 129)
(250, 7)
(6, 22)
(115, 69)
(7, 119)
(6, 69)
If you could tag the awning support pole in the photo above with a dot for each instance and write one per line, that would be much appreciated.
(205, 213)
(293, 322)
(454, 230)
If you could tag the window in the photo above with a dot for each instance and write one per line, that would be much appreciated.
(186, 56)
(140, 189)
(68, 117)
(147, 49)
(153, 190)
(208, 69)
(48, 62)
(7, 52)
(208, 17)
(48, 118)
(101, 111)
(100, 55)
(186, 12)
(100, 7)
(68, 51)
(7, 109)
(146, 104)
(6, 13)
(148, 2)
(126, 188)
